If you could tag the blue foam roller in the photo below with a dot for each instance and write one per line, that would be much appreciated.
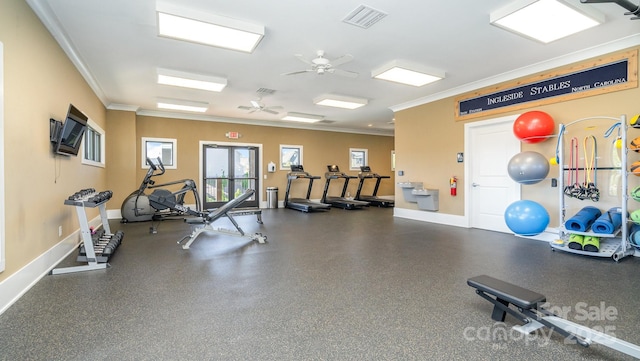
(608, 222)
(634, 235)
(583, 219)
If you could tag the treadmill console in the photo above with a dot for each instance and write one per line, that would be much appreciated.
(333, 168)
(297, 168)
(365, 168)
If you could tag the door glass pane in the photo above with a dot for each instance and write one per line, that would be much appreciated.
(228, 172)
(216, 174)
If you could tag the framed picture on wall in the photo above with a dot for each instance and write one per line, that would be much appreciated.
(164, 148)
(290, 154)
(357, 158)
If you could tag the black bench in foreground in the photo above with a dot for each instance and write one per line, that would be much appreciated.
(528, 308)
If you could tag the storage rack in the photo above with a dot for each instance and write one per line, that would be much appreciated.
(88, 252)
(614, 245)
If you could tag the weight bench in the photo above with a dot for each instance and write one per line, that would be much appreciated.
(224, 211)
(528, 308)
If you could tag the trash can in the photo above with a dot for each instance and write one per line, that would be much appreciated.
(272, 197)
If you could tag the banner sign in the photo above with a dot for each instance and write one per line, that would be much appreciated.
(600, 78)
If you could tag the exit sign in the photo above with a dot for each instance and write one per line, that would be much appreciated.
(233, 135)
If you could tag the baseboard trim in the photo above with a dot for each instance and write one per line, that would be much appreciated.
(16, 285)
(433, 217)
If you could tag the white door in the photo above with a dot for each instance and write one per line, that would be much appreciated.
(489, 147)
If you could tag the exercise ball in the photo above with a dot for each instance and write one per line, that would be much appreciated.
(526, 218)
(635, 168)
(635, 216)
(528, 167)
(533, 127)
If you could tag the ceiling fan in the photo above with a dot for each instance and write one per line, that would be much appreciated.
(257, 106)
(321, 65)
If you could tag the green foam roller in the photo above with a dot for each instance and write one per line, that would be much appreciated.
(591, 244)
(575, 241)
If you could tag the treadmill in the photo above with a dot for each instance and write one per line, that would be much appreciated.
(366, 173)
(302, 204)
(340, 202)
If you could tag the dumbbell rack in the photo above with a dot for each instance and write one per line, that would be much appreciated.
(95, 248)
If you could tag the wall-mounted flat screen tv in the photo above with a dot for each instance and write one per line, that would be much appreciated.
(72, 132)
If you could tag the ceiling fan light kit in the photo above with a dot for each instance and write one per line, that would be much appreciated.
(322, 65)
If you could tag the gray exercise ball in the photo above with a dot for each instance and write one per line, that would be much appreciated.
(528, 167)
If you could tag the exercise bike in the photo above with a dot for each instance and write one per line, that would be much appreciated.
(161, 203)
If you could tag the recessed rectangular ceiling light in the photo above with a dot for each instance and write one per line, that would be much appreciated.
(409, 74)
(189, 80)
(545, 20)
(186, 24)
(304, 118)
(182, 105)
(340, 101)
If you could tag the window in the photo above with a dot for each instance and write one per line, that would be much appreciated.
(165, 149)
(290, 154)
(93, 151)
(357, 158)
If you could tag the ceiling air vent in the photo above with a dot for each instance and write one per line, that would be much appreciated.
(364, 16)
(265, 91)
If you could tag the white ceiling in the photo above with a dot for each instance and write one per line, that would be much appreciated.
(115, 46)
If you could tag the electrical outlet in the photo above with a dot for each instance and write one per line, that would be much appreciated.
(59, 231)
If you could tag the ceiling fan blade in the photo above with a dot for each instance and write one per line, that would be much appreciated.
(269, 111)
(255, 104)
(347, 73)
(303, 59)
(275, 107)
(298, 72)
(342, 60)
(244, 107)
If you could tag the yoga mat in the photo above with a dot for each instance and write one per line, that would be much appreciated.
(583, 219)
(608, 222)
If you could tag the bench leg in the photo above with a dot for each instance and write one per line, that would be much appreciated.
(498, 313)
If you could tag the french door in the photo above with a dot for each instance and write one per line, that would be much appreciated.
(228, 172)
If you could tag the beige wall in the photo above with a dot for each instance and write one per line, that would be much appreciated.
(39, 83)
(430, 157)
(320, 148)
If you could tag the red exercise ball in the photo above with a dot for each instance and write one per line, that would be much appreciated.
(533, 127)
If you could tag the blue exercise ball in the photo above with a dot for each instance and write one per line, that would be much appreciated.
(526, 218)
(528, 167)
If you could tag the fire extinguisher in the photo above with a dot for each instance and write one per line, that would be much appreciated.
(453, 184)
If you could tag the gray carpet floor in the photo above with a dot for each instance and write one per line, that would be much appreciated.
(337, 285)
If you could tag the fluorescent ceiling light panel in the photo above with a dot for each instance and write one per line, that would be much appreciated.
(189, 80)
(182, 105)
(196, 26)
(304, 118)
(340, 101)
(545, 20)
(408, 74)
